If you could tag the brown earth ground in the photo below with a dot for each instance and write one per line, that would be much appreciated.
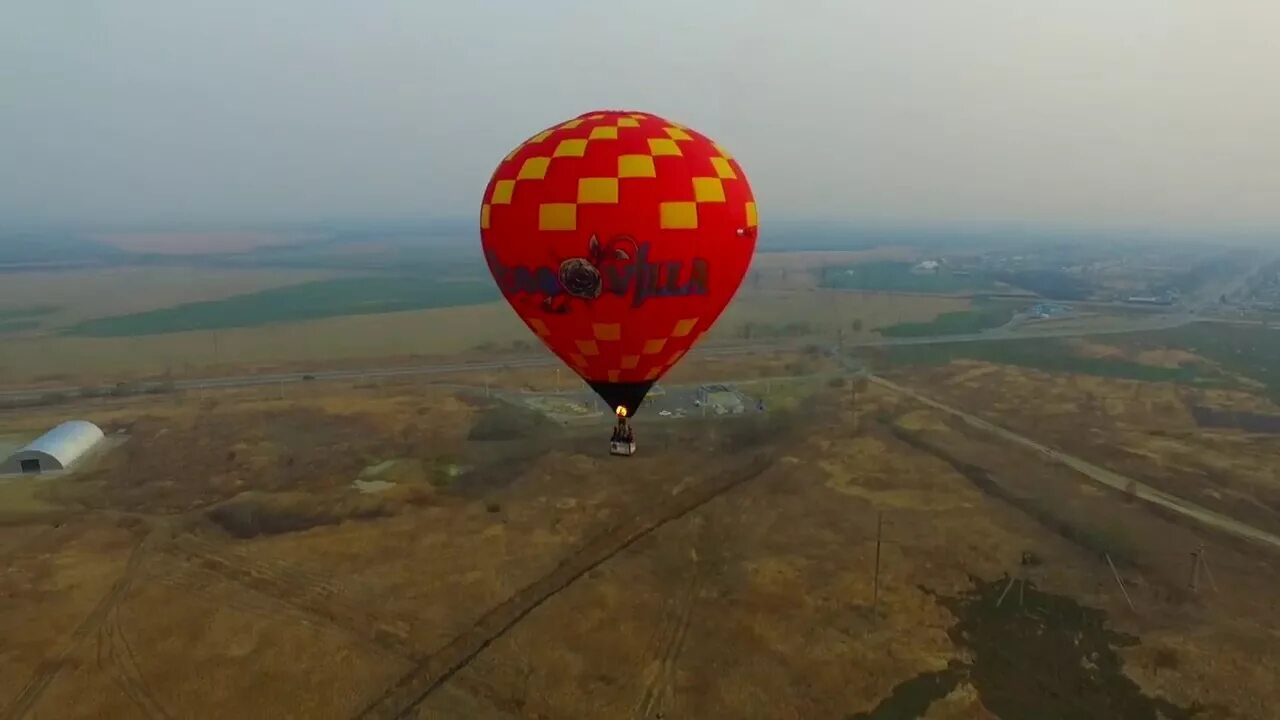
(221, 564)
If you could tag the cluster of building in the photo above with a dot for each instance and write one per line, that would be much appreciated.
(1264, 294)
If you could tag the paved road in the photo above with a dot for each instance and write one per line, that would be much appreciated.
(1101, 475)
(1009, 332)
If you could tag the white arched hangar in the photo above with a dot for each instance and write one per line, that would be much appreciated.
(57, 449)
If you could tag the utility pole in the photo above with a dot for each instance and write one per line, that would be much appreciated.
(1120, 582)
(875, 593)
(1204, 563)
(1198, 562)
(1194, 581)
(1007, 588)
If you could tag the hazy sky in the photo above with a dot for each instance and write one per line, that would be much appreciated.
(1106, 113)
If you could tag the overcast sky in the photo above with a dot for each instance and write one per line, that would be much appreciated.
(1098, 113)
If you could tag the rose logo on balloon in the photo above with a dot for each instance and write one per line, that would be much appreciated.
(581, 277)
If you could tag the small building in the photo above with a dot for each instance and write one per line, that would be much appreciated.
(1044, 311)
(721, 399)
(928, 267)
(1149, 300)
(57, 449)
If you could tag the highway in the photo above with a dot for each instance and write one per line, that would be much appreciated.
(1013, 331)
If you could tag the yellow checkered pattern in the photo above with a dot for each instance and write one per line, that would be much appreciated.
(662, 139)
(612, 332)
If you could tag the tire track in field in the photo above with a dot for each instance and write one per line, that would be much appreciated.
(658, 696)
(307, 596)
(117, 659)
(414, 687)
(47, 671)
(212, 588)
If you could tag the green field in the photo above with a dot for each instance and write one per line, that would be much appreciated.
(15, 326)
(965, 322)
(305, 301)
(889, 276)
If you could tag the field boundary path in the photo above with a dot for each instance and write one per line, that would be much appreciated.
(1099, 474)
(414, 687)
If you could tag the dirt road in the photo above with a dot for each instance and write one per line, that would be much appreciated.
(434, 670)
(1100, 475)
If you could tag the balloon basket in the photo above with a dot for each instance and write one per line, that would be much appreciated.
(623, 441)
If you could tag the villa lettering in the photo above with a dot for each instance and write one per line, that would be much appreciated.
(625, 275)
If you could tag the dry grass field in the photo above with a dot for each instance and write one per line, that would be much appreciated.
(442, 331)
(394, 337)
(1140, 429)
(815, 259)
(188, 243)
(824, 312)
(83, 294)
(222, 563)
(801, 270)
(775, 311)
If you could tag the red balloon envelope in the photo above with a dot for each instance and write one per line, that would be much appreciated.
(618, 237)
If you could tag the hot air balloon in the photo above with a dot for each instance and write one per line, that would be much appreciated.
(618, 237)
